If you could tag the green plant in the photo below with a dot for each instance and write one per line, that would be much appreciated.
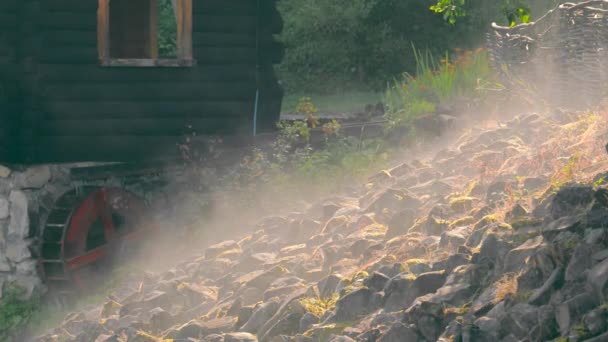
(15, 312)
(436, 82)
(319, 306)
(514, 10)
(167, 30)
(598, 182)
(565, 174)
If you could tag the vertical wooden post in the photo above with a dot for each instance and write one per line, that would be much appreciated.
(103, 29)
(184, 29)
(153, 30)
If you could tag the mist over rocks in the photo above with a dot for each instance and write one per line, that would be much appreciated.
(482, 241)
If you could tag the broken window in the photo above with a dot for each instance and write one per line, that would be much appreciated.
(145, 32)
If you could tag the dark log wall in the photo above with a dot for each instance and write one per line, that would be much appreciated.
(80, 111)
(9, 104)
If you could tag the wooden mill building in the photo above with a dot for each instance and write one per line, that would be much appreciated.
(83, 80)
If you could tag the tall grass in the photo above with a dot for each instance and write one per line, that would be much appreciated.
(437, 81)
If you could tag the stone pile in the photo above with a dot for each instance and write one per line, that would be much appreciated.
(474, 244)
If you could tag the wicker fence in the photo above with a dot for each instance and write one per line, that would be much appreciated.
(563, 55)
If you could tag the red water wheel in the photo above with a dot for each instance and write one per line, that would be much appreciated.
(86, 231)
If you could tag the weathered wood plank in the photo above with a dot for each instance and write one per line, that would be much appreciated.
(203, 55)
(147, 109)
(58, 73)
(142, 127)
(170, 91)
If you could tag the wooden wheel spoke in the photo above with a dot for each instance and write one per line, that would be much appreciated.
(86, 259)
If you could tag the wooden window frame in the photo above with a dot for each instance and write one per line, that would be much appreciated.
(184, 38)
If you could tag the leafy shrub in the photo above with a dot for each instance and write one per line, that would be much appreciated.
(15, 312)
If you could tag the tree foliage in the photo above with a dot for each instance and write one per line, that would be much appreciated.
(514, 10)
(334, 44)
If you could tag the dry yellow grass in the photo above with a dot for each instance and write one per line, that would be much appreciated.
(505, 287)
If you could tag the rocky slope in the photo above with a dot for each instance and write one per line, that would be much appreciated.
(485, 241)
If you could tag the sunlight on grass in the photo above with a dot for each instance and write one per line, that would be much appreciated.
(436, 82)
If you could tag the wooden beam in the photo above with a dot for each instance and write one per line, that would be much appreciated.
(153, 29)
(184, 29)
(103, 29)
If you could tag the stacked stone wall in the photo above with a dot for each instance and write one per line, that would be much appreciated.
(26, 194)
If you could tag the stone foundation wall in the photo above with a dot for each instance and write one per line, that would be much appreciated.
(26, 194)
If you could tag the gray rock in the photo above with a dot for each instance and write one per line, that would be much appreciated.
(547, 327)
(260, 316)
(34, 177)
(217, 249)
(341, 339)
(307, 321)
(543, 293)
(396, 292)
(572, 310)
(600, 255)
(287, 325)
(579, 262)
(19, 226)
(18, 251)
(452, 238)
(516, 258)
(419, 268)
(376, 281)
(4, 265)
(563, 224)
(601, 338)
(571, 200)
(4, 171)
(4, 208)
(328, 285)
(494, 249)
(456, 260)
(400, 223)
(597, 278)
(596, 321)
(353, 305)
(240, 337)
(427, 283)
(160, 320)
(212, 338)
(488, 325)
(399, 332)
(427, 317)
(519, 321)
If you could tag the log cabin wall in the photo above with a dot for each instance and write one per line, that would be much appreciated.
(9, 103)
(79, 110)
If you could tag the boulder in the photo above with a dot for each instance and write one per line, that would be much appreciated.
(260, 316)
(519, 321)
(516, 258)
(217, 249)
(397, 295)
(354, 305)
(399, 332)
(572, 310)
(376, 281)
(307, 321)
(579, 262)
(596, 321)
(597, 278)
(400, 223)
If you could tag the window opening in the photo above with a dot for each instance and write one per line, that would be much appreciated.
(145, 32)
